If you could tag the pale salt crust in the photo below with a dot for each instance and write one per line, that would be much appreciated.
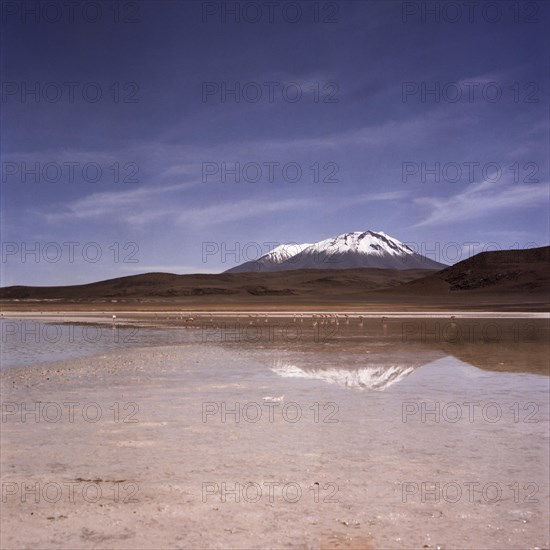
(171, 452)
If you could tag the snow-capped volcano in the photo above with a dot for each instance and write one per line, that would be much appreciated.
(282, 253)
(350, 250)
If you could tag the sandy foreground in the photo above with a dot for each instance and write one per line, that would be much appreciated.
(316, 443)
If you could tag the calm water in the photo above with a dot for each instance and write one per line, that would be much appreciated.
(31, 342)
(391, 446)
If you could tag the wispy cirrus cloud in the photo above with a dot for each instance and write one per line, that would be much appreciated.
(248, 208)
(144, 205)
(236, 210)
(481, 200)
(135, 206)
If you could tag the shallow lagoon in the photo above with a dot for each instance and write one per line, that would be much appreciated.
(318, 444)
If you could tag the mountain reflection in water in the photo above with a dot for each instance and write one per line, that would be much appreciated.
(371, 378)
(371, 368)
(374, 371)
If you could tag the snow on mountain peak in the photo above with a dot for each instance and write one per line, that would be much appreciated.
(357, 249)
(285, 251)
(364, 242)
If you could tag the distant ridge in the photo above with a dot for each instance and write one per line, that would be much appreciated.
(510, 278)
(526, 271)
(223, 286)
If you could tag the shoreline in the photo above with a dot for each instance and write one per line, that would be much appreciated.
(107, 317)
(513, 342)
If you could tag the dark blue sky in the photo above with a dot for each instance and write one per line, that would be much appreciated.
(366, 99)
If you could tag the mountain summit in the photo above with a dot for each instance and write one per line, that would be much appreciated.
(366, 249)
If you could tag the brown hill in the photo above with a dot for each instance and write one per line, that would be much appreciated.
(316, 283)
(506, 280)
(502, 271)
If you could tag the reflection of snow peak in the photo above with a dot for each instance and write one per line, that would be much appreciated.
(372, 378)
